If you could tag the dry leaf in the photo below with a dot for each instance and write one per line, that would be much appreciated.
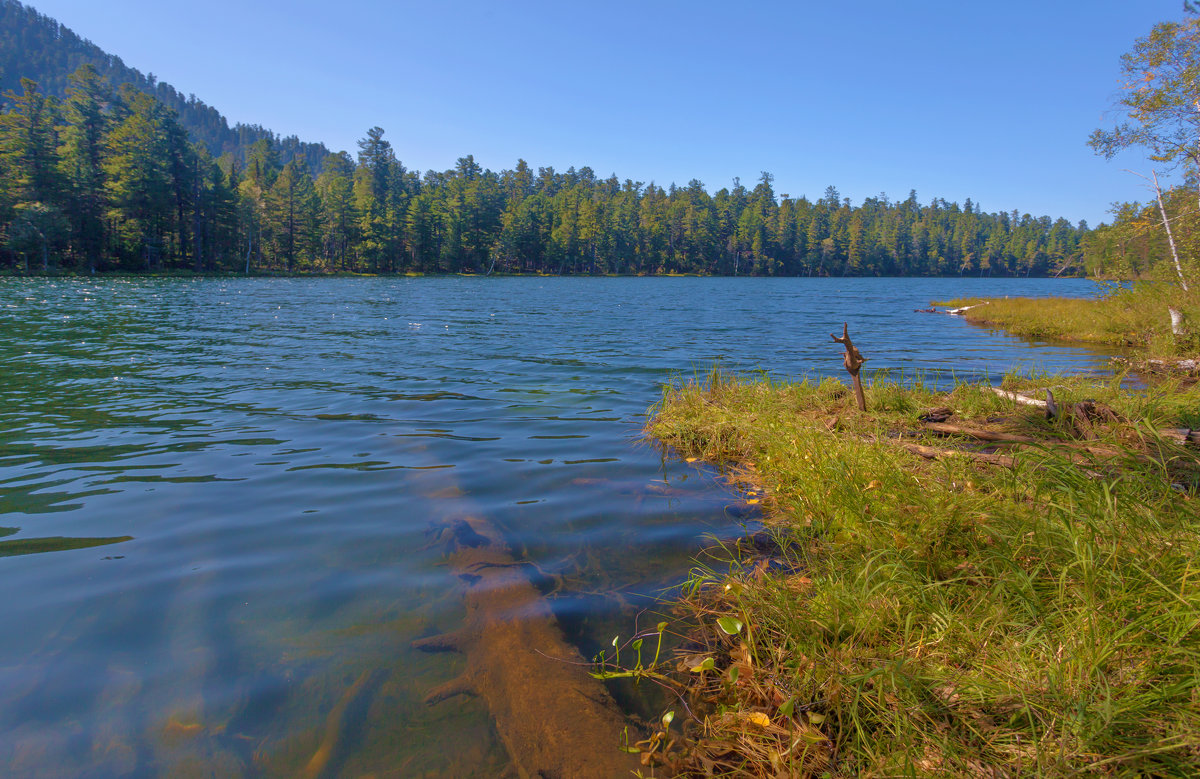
(760, 719)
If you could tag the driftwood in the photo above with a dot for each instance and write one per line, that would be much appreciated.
(554, 719)
(1003, 460)
(1026, 441)
(1181, 435)
(1176, 321)
(853, 361)
(959, 311)
(1189, 367)
(982, 435)
(931, 453)
(1023, 400)
(1083, 416)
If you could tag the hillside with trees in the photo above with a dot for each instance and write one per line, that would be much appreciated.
(37, 47)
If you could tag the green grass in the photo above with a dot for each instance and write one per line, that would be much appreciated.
(1130, 317)
(948, 618)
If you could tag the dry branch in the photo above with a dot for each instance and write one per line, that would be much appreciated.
(930, 453)
(982, 435)
(853, 361)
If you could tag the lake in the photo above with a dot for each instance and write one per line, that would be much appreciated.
(220, 498)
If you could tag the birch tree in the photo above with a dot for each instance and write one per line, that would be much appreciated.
(1160, 98)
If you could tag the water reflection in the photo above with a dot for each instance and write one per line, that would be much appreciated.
(55, 544)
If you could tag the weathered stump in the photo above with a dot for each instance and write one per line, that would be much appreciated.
(853, 361)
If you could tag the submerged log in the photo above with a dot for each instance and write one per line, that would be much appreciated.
(554, 719)
(334, 735)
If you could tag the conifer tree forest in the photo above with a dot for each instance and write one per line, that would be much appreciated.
(115, 172)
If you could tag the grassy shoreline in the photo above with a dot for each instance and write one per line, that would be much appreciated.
(949, 616)
(1136, 317)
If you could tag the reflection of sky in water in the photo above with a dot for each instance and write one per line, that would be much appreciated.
(282, 453)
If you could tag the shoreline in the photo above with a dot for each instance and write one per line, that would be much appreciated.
(916, 588)
(183, 273)
(1135, 318)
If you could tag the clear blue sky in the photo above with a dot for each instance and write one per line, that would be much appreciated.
(992, 101)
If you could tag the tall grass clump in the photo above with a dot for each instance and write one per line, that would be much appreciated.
(950, 617)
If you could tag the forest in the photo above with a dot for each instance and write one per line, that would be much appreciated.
(109, 180)
(1135, 245)
(105, 169)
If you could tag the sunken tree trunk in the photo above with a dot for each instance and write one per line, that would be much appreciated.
(554, 719)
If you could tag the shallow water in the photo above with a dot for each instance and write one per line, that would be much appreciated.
(219, 497)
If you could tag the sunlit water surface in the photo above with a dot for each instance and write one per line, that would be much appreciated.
(219, 497)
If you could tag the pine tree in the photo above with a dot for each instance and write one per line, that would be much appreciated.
(335, 186)
(292, 215)
(138, 180)
(83, 156)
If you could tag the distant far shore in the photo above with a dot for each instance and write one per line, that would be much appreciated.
(271, 274)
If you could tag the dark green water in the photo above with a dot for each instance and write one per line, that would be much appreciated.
(217, 496)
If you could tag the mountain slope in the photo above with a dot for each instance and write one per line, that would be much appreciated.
(35, 46)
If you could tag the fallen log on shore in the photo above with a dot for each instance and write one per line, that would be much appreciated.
(1019, 441)
(1016, 397)
(982, 435)
(932, 453)
(554, 719)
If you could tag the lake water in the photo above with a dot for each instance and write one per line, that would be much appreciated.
(238, 483)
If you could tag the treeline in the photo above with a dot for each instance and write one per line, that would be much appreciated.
(109, 180)
(1135, 245)
(35, 46)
